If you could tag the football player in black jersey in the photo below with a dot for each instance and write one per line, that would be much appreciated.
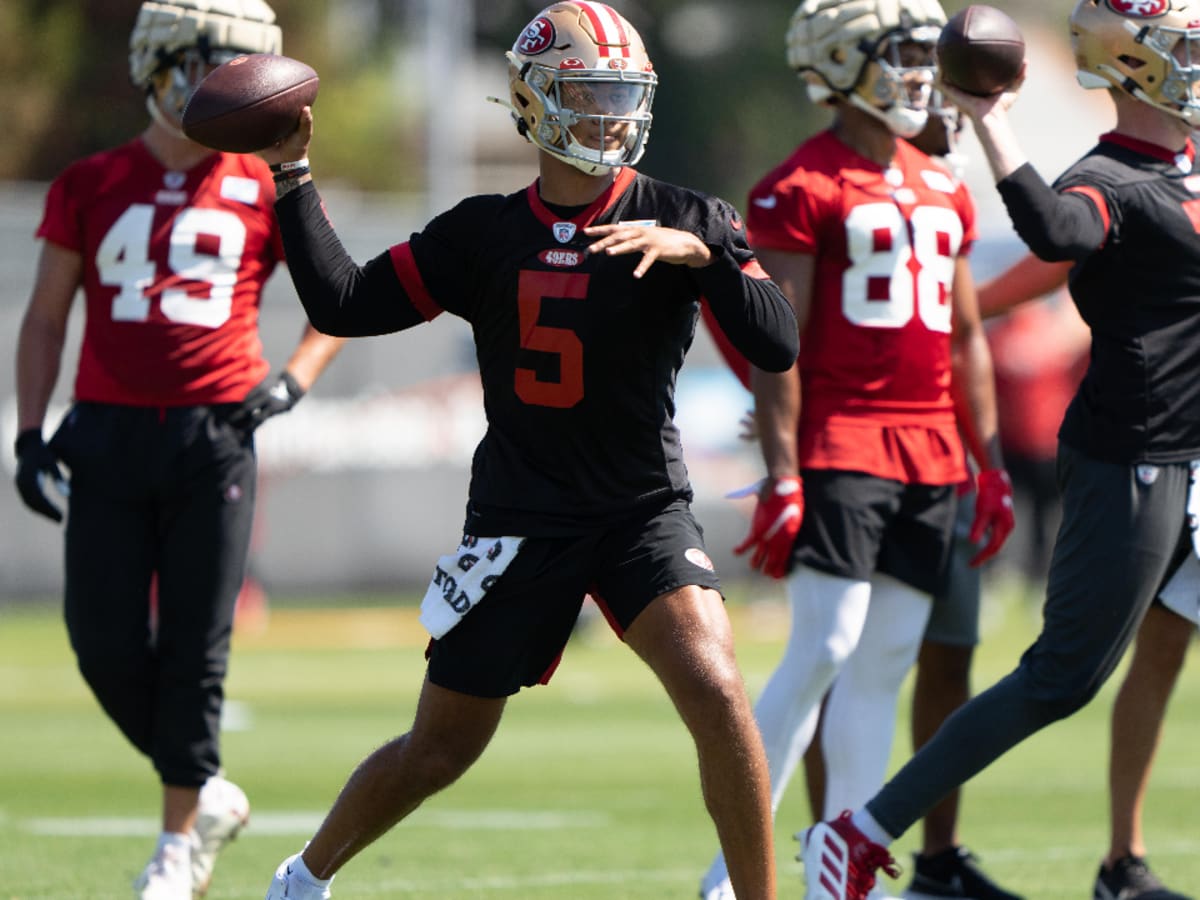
(583, 293)
(1127, 216)
(1160, 651)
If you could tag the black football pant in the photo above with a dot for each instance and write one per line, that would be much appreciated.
(1123, 534)
(161, 497)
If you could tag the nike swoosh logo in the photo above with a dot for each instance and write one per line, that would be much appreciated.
(766, 202)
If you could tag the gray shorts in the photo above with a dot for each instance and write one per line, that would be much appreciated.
(954, 617)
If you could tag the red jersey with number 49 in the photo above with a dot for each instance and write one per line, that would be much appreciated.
(875, 352)
(173, 269)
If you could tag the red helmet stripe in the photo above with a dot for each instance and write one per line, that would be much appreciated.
(610, 31)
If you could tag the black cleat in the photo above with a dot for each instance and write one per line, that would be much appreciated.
(1129, 878)
(953, 873)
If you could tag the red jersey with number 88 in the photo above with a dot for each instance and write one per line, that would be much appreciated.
(173, 269)
(875, 353)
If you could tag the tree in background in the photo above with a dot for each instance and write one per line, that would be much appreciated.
(733, 107)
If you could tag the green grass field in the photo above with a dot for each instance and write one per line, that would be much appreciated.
(589, 790)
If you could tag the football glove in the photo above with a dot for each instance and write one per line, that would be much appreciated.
(773, 529)
(993, 513)
(35, 464)
(275, 394)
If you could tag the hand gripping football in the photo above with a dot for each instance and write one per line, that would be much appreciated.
(980, 51)
(249, 103)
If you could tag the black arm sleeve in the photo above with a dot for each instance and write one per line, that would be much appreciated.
(340, 297)
(1056, 226)
(752, 312)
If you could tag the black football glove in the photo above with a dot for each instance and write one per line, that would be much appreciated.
(35, 464)
(275, 394)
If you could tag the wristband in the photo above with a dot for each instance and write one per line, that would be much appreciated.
(293, 175)
(289, 165)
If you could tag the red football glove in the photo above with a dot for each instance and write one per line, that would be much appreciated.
(777, 519)
(993, 513)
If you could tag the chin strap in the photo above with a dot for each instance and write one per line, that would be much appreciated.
(160, 117)
(895, 119)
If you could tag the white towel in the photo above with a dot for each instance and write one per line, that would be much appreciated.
(462, 579)
(1182, 593)
(1193, 505)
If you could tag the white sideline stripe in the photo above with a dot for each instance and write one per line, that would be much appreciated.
(305, 823)
(401, 887)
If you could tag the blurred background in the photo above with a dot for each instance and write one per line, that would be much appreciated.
(363, 484)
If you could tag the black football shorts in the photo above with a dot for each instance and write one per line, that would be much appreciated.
(516, 635)
(857, 524)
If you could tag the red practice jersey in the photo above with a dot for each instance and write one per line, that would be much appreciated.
(173, 269)
(875, 352)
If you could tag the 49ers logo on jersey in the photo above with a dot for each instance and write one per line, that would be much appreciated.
(564, 259)
(538, 37)
(1139, 9)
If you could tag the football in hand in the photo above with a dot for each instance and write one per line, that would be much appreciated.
(249, 103)
(980, 51)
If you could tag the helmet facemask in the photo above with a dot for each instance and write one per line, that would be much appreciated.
(171, 87)
(592, 119)
(582, 86)
(1150, 52)
(1183, 71)
(174, 43)
(896, 86)
(874, 54)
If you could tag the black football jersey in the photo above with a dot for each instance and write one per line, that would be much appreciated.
(577, 358)
(1140, 294)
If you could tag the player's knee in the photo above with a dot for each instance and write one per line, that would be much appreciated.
(109, 675)
(716, 695)
(438, 765)
(815, 663)
(1058, 694)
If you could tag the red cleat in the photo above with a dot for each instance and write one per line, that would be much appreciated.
(840, 861)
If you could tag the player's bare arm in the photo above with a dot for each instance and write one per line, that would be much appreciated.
(777, 396)
(1027, 279)
(314, 352)
(43, 331)
(681, 248)
(975, 393)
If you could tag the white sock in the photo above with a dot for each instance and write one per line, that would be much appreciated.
(306, 877)
(828, 613)
(865, 822)
(860, 714)
(176, 838)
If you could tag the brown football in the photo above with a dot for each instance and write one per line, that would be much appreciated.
(250, 102)
(980, 50)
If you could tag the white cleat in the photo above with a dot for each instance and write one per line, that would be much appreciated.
(286, 885)
(722, 890)
(168, 875)
(224, 812)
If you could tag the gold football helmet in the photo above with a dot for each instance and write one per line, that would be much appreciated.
(581, 86)
(174, 44)
(877, 54)
(1148, 48)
